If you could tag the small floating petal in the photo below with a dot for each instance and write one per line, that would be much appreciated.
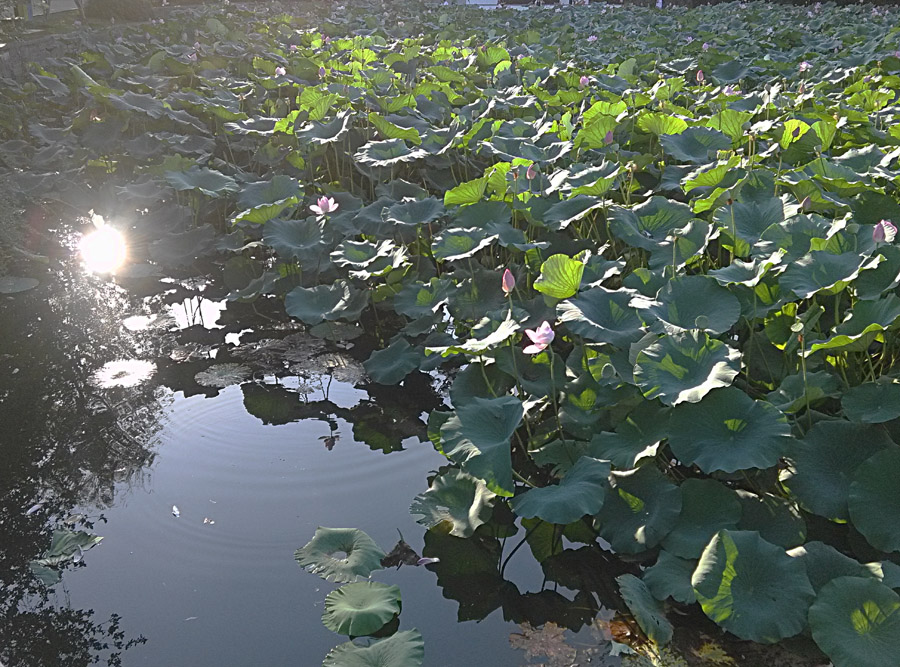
(175, 511)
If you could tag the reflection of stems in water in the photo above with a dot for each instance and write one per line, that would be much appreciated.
(328, 387)
(519, 545)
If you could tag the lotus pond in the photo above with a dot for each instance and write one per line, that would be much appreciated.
(561, 336)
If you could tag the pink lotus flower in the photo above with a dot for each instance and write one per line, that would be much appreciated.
(705, 46)
(192, 57)
(592, 39)
(608, 138)
(804, 66)
(508, 282)
(700, 76)
(540, 338)
(583, 81)
(884, 232)
(324, 205)
(293, 47)
(531, 172)
(280, 71)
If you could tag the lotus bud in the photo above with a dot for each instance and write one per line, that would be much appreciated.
(884, 232)
(700, 76)
(321, 72)
(280, 71)
(592, 39)
(531, 172)
(608, 138)
(508, 282)
(806, 204)
(583, 81)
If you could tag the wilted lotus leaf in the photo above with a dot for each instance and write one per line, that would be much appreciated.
(340, 554)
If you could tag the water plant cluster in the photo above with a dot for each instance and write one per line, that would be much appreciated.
(654, 250)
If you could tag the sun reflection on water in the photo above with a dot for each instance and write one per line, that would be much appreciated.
(103, 250)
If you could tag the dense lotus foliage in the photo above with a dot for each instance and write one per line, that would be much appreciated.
(653, 250)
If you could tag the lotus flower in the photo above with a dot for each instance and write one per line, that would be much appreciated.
(508, 282)
(608, 138)
(324, 205)
(884, 232)
(540, 338)
(294, 47)
(192, 57)
(280, 71)
(804, 66)
(705, 46)
(583, 81)
(321, 72)
(700, 76)
(531, 172)
(592, 39)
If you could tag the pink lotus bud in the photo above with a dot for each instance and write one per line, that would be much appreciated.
(280, 71)
(583, 81)
(608, 138)
(540, 338)
(192, 57)
(508, 282)
(321, 72)
(531, 172)
(884, 232)
(804, 66)
(293, 47)
(592, 39)
(705, 46)
(700, 76)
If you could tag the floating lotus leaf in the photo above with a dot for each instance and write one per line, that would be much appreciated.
(685, 367)
(696, 302)
(639, 510)
(579, 493)
(208, 181)
(821, 465)
(707, 506)
(403, 649)
(649, 223)
(825, 563)
(325, 302)
(14, 284)
(362, 608)
(874, 501)
(670, 577)
(455, 497)
(751, 587)
(728, 431)
(602, 316)
(560, 277)
(856, 621)
(458, 243)
(222, 375)
(340, 554)
(478, 437)
(66, 546)
(646, 609)
(872, 402)
(695, 144)
(776, 519)
(387, 153)
(393, 363)
(820, 270)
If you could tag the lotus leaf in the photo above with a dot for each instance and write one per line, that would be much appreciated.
(670, 577)
(820, 270)
(325, 302)
(825, 563)
(707, 506)
(873, 499)
(776, 519)
(455, 497)
(361, 609)
(696, 302)
(600, 315)
(647, 611)
(14, 284)
(751, 587)
(392, 364)
(208, 181)
(340, 554)
(580, 492)
(872, 402)
(403, 649)
(649, 223)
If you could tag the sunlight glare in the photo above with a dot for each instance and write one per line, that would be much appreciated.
(103, 250)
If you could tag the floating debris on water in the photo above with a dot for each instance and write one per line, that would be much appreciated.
(175, 511)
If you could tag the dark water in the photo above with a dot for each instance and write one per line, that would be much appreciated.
(217, 585)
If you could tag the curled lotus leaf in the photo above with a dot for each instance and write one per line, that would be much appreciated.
(454, 497)
(751, 587)
(648, 224)
(340, 554)
(406, 649)
(361, 608)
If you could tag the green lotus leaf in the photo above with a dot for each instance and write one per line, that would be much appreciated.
(579, 493)
(362, 608)
(295, 239)
(683, 247)
(858, 330)
(636, 437)
(478, 437)
(745, 222)
(588, 179)
(696, 144)
(393, 363)
(776, 519)
(321, 134)
(670, 577)
(560, 277)
(821, 465)
(872, 402)
(497, 334)
(825, 563)
(67, 546)
(685, 367)
(458, 243)
(261, 214)
(208, 181)
(477, 295)
(696, 302)
(797, 392)
(274, 191)
(469, 192)
(874, 283)
(340, 554)
(457, 498)
(420, 299)
(389, 130)
(601, 315)
(403, 649)
(661, 123)
(728, 431)
(856, 621)
(417, 212)
(890, 572)
(387, 153)
(360, 254)
(707, 506)
(640, 509)
(795, 237)
(325, 302)
(820, 270)
(751, 587)
(647, 610)
(14, 284)
(649, 223)
(874, 502)
(562, 214)
(731, 72)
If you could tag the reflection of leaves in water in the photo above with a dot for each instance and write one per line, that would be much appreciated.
(124, 373)
(222, 375)
(548, 641)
